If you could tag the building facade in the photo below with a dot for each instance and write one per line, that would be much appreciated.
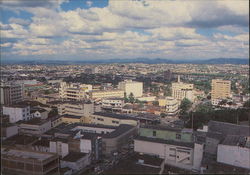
(17, 112)
(134, 87)
(182, 90)
(100, 94)
(74, 91)
(11, 93)
(221, 89)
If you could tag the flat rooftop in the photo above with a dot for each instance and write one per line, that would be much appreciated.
(234, 140)
(74, 156)
(25, 154)
(34, 121)
(116, 116)
(169, 142)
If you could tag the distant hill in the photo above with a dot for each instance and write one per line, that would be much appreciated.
(136, 60)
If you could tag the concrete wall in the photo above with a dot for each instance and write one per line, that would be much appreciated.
(166, 134)
(78, 165)
(11, 131)
(17, 114)
(58, 147)
(234, 155)
(111, 121)
(85, 146)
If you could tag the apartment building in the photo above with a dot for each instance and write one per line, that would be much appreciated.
(171, 105)
(112, 119)
(74, 91)
(182, 90)
(80, 108)
(175, 146)
(17, 161)
(17, 113)
(11, 93)
(113, 102)
(134, 87)
(100, 94)
(221, 89)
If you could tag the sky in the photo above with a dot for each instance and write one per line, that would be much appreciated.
(124, 29)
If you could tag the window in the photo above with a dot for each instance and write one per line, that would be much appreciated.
(171, 155)
(178, 136)
(116, 122)
(154, 133)
(100, 119)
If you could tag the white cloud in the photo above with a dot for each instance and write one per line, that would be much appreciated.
(89, 3)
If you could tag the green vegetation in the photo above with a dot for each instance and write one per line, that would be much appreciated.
(185, 105)
(205, 113)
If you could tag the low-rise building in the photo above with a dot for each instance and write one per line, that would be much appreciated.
(80, 108)
(112, 119)
(75, 161)
(35, 126)
(175, 146)
(19, 161)
(131, 87)
(235, 151)
(100, 94)
(112, 102)
(39, 112)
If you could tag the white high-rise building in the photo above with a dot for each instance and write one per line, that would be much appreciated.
(182, 90)
(134, 87)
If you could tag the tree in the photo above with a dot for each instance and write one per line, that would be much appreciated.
(131, 98)
(185, 105)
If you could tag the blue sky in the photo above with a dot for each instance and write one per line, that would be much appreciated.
(102, 29)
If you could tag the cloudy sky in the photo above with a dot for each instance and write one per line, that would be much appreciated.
(102, 29)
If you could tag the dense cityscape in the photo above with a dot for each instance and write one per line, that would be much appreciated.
(125, 118)
(116, 87)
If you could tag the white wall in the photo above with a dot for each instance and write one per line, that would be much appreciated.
(17, 114)
(58, 147)
(234, 155)
(198, 155)
(85, 146)
(11, 131)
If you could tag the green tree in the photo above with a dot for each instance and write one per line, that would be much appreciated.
(185, 105)
(131, 98)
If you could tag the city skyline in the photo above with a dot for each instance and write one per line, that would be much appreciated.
(85, 30)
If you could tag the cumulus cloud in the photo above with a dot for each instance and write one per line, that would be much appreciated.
(148, 28)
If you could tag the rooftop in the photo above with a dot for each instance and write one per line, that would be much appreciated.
(73, 156)
(235, 140)
(20, 140)
(71, 116)
(34, 121)
(169, 142)
(25, 154)
(113, 115)
(121, 129)
(161, 127)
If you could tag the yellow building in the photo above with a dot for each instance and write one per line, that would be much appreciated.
(221, 89)
(107, 93)
(112, 119)
(71, 119)
(182, 90)
(162, 101)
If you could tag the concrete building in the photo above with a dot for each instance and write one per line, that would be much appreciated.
(11, 93)
(221, 89)
(112, 119)
(8, 130)
(74, 91)
(17, 112)
(171, 105)
(71, 118)
(75, 161)
(39, 112)
(16, 161)
(112, 102)
(182, 90)
(175, 146)
(76, 108)
(35, 126)
(129, 86)
(235, 151)
(100, 94)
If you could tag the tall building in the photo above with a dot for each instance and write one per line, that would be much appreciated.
(182, 90)
(11, 93)
(221, 89)
(74, 91)
(134, 87)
